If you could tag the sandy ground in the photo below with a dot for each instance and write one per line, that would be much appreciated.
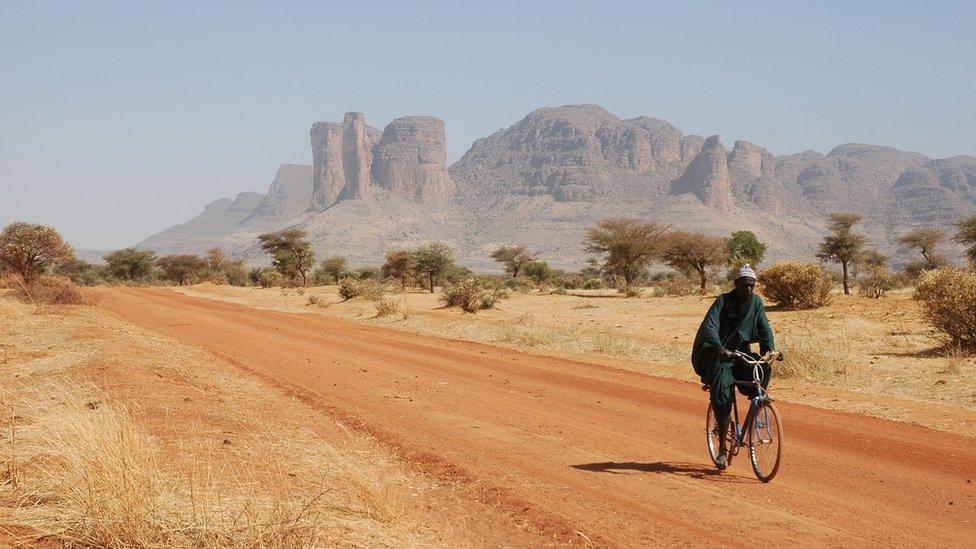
(581, 450)
(873, 357)
(206, 419)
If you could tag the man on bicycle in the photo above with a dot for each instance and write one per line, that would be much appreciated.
(735, 320)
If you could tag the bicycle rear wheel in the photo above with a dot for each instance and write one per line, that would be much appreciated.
(766, 441)
(711, 435)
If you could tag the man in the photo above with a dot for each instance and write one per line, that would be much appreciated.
(735, 320)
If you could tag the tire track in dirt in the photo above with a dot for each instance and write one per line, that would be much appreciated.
(578, 447)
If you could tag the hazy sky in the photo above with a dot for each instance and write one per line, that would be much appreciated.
(118, 119)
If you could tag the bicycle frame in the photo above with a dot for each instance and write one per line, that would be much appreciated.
(737, 432)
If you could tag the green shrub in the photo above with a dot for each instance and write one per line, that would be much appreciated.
(594, 284)
(949, 296)
(521, 284)
(796, 284)
(472, 295)
(368, 288)
(271, 278)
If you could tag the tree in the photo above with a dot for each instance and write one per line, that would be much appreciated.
(81, 272)
(130, 264)
(743, 247)
(843, 246)
(926, 240)
(513, 258)
(627, 245)
(292, 254)
(876, 278)
(432, 260)
(688, 252)
(333, 267)
(966, 235)
(399, 266)
(182, 269)
(31, 249)
(538, 271)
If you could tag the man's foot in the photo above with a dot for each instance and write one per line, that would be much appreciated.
(721, 462)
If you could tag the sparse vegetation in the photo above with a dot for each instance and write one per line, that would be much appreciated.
(875, 278)
(291, 252)
(331, 269)
(182, 269)
(270, 278)
(399, 266)
(32, 250)
(926, 241)
(966, 235)
(130, 264)
(695, 253)
(513, 258)
(843, 246)
(626, 245)
(368, 288)
(796, 284)
(81, 272)
(949, 296)
(472, 295)
(49, 290)
(386, 306)
(431, 261)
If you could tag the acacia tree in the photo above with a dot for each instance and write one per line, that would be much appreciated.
(432, 260)
(688, 252)
(31, 249)
(966, 235)
(926, 240)
(130, 264)
(182, 269)
(399, 265)
(843, 246)
(333, 267)
(744, 247)
(514, 258)
(291, 252)
(627, 245)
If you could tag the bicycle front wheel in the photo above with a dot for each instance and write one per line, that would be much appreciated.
(711, 435)
(766, 442)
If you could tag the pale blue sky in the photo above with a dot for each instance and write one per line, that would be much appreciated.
(118, 119)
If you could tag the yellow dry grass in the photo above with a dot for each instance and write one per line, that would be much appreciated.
(116, 437)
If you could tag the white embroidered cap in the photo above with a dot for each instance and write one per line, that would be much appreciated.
(746, 272)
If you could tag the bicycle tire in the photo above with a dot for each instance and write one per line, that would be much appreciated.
(711, 435)
(766, 442)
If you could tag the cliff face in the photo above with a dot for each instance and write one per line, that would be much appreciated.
(707, 177)
(543, 180)
(410, 159)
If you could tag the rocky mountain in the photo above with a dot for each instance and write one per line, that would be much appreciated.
(542, 181)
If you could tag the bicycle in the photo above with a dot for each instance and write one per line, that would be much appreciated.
(764, 435)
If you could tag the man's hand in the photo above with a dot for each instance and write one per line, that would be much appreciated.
(724, 354)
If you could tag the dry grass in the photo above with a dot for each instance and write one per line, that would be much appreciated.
(160, 453)
(53, 291)
(386, 306)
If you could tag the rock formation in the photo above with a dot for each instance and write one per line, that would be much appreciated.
(290, 195)
(410, 160)
(341, 157)
(707, 177)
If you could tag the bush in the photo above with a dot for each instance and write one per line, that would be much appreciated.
(593, 284)
(568, 281)
(81, 272)
(350, 287)
(386, 306)
(796, 284)
(521, 284)
(675, 287)
(472, 295)
(875, 280)
(51, 290)
(949, 296)
(271, 279)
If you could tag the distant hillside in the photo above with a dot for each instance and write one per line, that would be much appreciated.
(545, 179)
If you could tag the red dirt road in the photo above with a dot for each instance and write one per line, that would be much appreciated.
(580, 449)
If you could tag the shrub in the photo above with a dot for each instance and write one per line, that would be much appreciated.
(560, 291)
(875, 280)
(350, 287)
(675, 287)
(593, 284)
(271, 279)
(949, 296)
(51, 290)
(521, 284)
(796, 284)
(568, 281)
(81, 272)
(471, 295)
(386, 306)
(31, 249)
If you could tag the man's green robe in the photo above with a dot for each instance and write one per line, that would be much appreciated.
(733, 325)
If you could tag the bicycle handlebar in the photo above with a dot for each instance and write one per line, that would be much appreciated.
(770, 356)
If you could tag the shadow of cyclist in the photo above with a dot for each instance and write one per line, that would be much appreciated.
(692, 470)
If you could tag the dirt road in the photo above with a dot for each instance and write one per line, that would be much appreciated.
(583, 451)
